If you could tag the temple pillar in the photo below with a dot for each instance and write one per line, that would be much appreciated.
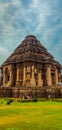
(56, 76)
(17, 74)
(12, 75)
(24, 76)
(28, 76)
(40, 81)
(4, 77)
(59, 76)
(33, 83)
(48, 76)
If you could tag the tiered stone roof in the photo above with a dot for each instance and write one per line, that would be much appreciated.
(30, 49)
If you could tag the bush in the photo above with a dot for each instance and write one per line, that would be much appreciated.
(1, 102)
(57, 99)
(43, 99)
(9, 101)
(34, 100)
(25, 100)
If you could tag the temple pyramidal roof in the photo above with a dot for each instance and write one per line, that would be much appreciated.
(29, 50)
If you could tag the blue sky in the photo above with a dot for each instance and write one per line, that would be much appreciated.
(42, 18)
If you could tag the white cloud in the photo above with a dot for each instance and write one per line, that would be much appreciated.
(42, 18)
(3, 50)
(57, 51)
(3, 54)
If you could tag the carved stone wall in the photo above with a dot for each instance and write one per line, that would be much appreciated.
(30, 65)
(29, 75)
(32, 92)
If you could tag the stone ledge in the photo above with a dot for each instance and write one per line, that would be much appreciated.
(38, 92)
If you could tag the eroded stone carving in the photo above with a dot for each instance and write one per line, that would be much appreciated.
(30, 65)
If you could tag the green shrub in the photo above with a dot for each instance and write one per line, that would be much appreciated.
(1, 102)
(9, 101)
(42, 99)
(25, 100)
(34, 100)
(57, 99)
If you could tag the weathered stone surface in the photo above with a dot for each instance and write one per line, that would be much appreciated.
(31, 92)
(30, 65)
(30, 50)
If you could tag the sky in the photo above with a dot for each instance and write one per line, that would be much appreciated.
(42, 18)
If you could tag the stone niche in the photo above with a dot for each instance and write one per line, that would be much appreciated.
(7, 76)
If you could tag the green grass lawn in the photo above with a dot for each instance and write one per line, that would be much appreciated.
(31, 116)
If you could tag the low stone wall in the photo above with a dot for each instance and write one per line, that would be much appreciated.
(31, 92)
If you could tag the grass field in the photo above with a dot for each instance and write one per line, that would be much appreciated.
(31, 116)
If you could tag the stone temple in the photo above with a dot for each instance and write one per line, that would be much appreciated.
(28, 69)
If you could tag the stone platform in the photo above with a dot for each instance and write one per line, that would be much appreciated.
(31, 92)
